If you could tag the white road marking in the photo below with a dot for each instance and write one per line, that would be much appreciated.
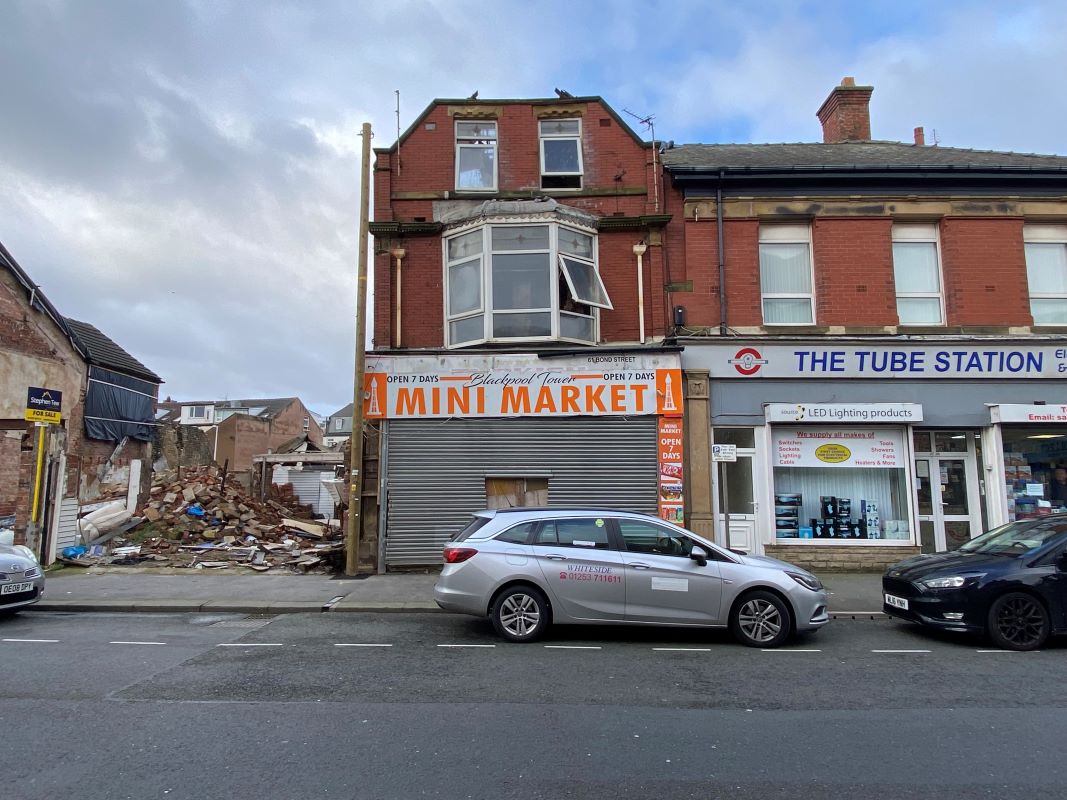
(900, 651)
(466, 645)
(251, 644)
(682, 649)
(39, 641)
(136, 642)
(786, 650)
(570, 647)
(1014, 652)
(360, 644)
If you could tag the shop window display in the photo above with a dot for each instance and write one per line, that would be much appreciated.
(1035, 471)
(841, 485)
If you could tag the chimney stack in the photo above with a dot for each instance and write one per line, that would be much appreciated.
(920, 136)
(845, 115)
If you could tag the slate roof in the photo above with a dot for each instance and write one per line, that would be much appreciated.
(850, 155)
(272, 407)
(103, 352)
(344, 412)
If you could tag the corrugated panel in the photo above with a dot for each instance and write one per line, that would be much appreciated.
(437, 471)
(307, 485)
(67, 532)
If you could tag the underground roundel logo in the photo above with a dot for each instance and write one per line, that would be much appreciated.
(747, 360)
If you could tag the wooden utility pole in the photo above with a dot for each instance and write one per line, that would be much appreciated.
(355, 493)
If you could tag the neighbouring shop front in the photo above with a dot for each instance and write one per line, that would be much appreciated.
(467, 432)
(856, 453)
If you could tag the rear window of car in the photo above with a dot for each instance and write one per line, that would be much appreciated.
(591, 533)
(517, 534)
(474, 525)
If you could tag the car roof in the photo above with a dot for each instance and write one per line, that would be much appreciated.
(559, 511)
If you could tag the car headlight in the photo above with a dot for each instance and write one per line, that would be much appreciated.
(805, 580)
(951, 582)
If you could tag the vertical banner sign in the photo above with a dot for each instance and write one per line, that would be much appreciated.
(671, 487)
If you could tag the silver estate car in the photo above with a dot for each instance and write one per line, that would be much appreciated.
(21, 578)
(526, 568)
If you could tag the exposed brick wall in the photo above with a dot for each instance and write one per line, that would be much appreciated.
(984, 266)
(743, 297)
(10, 447)
(854, 271)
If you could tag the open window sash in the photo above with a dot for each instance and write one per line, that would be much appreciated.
(584, 283)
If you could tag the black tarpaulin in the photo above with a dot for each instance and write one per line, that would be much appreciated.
(117, 405)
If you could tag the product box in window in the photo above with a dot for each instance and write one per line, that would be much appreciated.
(828, 507)
(787, 533)
(786, 523)
(806, 532)
(844, 507)
(788, 500)
(787, 511)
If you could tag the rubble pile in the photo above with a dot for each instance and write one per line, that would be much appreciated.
(197, 522)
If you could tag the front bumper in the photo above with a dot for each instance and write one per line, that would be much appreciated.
(812, 609)
(950, 610)
(23, 599)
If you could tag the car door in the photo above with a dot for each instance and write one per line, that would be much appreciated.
(581, 567)
(663, 584)
(1049, 574)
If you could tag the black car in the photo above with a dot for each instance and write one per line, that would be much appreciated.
(1009, 583)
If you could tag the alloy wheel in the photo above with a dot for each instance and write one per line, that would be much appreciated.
(1021, 621)
(519, 615)
(760, 620)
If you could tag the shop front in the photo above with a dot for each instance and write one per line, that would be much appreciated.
(460, 433)
(862, 452)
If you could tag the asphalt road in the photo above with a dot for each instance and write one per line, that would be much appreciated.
(410, 706)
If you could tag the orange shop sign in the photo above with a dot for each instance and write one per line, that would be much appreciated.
(522, 386)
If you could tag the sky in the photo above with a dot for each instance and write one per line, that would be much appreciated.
(184, 174)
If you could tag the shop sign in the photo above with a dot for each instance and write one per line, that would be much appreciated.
(43, 405)
(857, 447)
(671, 486)
(844, 412)
(941, 360)
(522, 386)
(1019, 412)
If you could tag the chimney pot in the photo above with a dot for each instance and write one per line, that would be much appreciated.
(920, 136)
(845, 115)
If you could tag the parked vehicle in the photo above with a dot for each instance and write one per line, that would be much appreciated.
(526, 568)
(1009, 583)
(21, 578)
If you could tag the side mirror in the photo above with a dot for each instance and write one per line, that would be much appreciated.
(699, 555)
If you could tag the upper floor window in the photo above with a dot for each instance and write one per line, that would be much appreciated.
(1046, 272)
(786, 275)
(917, 272)
(476, 155)
(561, 153)
(506, 282)
(197, 412)
(307, 424)
(338, 424)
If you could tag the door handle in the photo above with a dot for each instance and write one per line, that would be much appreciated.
(556, 558)
(638, 566)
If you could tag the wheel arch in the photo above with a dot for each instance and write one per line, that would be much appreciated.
(770, 590)
(513, 582)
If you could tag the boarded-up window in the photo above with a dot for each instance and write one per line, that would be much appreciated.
(516, 492)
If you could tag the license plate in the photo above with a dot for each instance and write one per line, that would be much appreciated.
(15, 588)
(896, 602)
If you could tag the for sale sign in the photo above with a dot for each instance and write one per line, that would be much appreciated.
(43, 405)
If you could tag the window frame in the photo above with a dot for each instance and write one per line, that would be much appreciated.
(197, 412)
(542, 137)
(606, 527)
(786, 233)
(557, 274)
(1046, 234)
(476, 143)
(919, 233)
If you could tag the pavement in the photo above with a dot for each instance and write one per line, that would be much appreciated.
(116, 589)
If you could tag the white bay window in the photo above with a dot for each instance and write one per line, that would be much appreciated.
(507, 282)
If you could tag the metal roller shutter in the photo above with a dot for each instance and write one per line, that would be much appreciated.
(436, 471)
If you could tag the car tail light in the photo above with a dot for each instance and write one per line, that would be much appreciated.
(457, 555)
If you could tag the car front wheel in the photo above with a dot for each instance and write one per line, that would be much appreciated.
(520, 614)
(760, 619)
(1018, 621)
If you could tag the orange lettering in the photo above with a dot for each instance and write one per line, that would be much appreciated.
(617, 401)
(594, 397)
(545, 401)
(410, 402)
(638, 390)
(569, 403)
(459, 400)
(435, 400)
(479, 400)
(514, 397)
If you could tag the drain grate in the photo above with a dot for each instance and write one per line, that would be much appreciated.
(247, 622)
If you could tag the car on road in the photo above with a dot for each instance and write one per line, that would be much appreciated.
(1009, 584)
(21, 578)
(528, 568)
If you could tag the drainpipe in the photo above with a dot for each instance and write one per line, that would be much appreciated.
(722, 257)
(639, 251)
(398, 253)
